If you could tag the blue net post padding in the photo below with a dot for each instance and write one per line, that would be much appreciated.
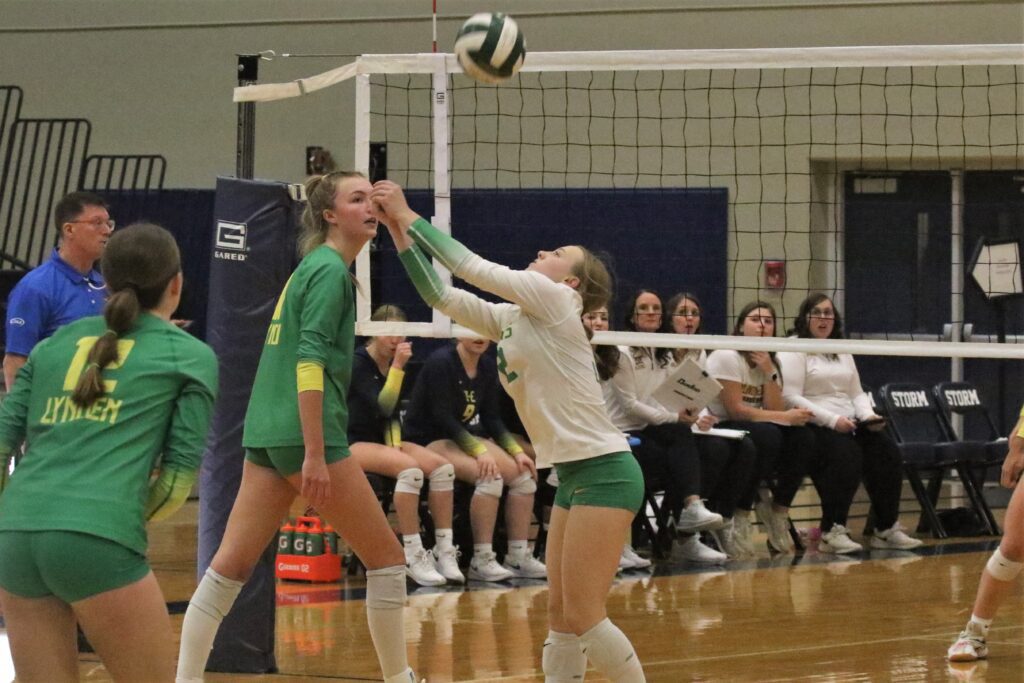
(255, 229)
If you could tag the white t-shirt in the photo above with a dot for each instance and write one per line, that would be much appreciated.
(828, 387)
(731, 366)
(632, 407)
(545, 360)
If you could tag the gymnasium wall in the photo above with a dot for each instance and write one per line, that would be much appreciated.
(155, 76)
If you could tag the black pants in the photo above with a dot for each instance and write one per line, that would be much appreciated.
(726, 466)
(881, 469)
(783, 459)
(668, 457)
(836, 469)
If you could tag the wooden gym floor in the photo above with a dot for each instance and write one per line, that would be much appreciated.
(879, 616)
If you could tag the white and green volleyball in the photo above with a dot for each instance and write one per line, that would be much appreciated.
(490, 47)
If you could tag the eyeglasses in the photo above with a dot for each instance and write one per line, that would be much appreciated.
(823, 315)
(686, 313)
(764, 319)
(98, 224)
(648, 310)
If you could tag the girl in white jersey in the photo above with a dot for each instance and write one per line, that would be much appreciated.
(547, 367)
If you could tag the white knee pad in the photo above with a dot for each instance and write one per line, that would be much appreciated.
(409, 481)
(385, 588)
(443, 478)
(490, 488)
(523, 485)
(1002, 568)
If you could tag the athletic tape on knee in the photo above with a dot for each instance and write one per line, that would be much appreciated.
(443, 478)
(1002, 568)
(385, 588)
(409, 481)
(490, 488)
(523, 485)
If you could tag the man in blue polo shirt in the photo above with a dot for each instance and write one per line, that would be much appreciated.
(64, 288)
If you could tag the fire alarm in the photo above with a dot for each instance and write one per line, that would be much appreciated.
(775, 274)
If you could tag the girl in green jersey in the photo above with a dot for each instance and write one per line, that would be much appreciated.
(296, 436)
(98, 405)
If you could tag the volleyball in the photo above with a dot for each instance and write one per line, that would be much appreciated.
(490, 48)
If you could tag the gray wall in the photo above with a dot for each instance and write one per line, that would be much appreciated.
(155, 76)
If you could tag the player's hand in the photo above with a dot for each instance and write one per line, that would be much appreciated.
(845, 425)
(487, 467)
(403, 352)
(316, 482)
(686, 416)
(526, 464)
(706, 422)
(798, 417)
(388, 196)
(763, 361)
(1013, 465)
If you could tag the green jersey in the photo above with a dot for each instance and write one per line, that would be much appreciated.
(88, 469)
(314, 322)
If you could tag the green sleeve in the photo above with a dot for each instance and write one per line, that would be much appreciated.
(426, 280)
(168, 493)
(14, 410)
(322, 309)
(445, 248)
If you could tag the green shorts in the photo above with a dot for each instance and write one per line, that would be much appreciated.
(287, 460)
(69, 565)
(607, 481)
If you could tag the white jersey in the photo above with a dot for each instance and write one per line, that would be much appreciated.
(830, 387)
(545, 360)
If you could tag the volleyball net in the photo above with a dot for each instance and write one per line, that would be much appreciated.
(888, 178)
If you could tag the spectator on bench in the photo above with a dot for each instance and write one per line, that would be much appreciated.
(375, 439)
(751, 400)
(64, 288)
(850, 439)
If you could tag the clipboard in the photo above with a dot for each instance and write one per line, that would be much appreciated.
(687, 388)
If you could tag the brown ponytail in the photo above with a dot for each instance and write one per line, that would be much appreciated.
(138, 264)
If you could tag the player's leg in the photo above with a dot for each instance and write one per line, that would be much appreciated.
(522, 488)
(997, 580)
(262, 502)
(353, 510)
(562, 659)
(391, 462)
(41, 633)
(130, 630)
(441, 475)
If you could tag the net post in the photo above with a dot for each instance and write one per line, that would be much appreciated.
(245, 142)
(956, 225)
(442, 178)
(361, 163)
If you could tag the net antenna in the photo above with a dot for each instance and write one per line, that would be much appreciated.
(780, 128)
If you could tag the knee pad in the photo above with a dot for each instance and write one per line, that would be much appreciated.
(490, 488)
(385, 588)
(216, 594)
(409, 481)
(523, 485)
(443, 478)
(1002, 568)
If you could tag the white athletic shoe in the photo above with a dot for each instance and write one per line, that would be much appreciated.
(630, 560)
(525, 567)
(969, 646)
(696, 517)
(485, 567)
(726, 538)
(420, 568)
(693, 550)
(894, 539)
(743, 534)
(775, 525)
(837, 540)
(447, 563)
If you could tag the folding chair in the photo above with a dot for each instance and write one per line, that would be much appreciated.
(925, 448)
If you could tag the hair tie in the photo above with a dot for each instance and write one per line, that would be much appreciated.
(94, 365)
